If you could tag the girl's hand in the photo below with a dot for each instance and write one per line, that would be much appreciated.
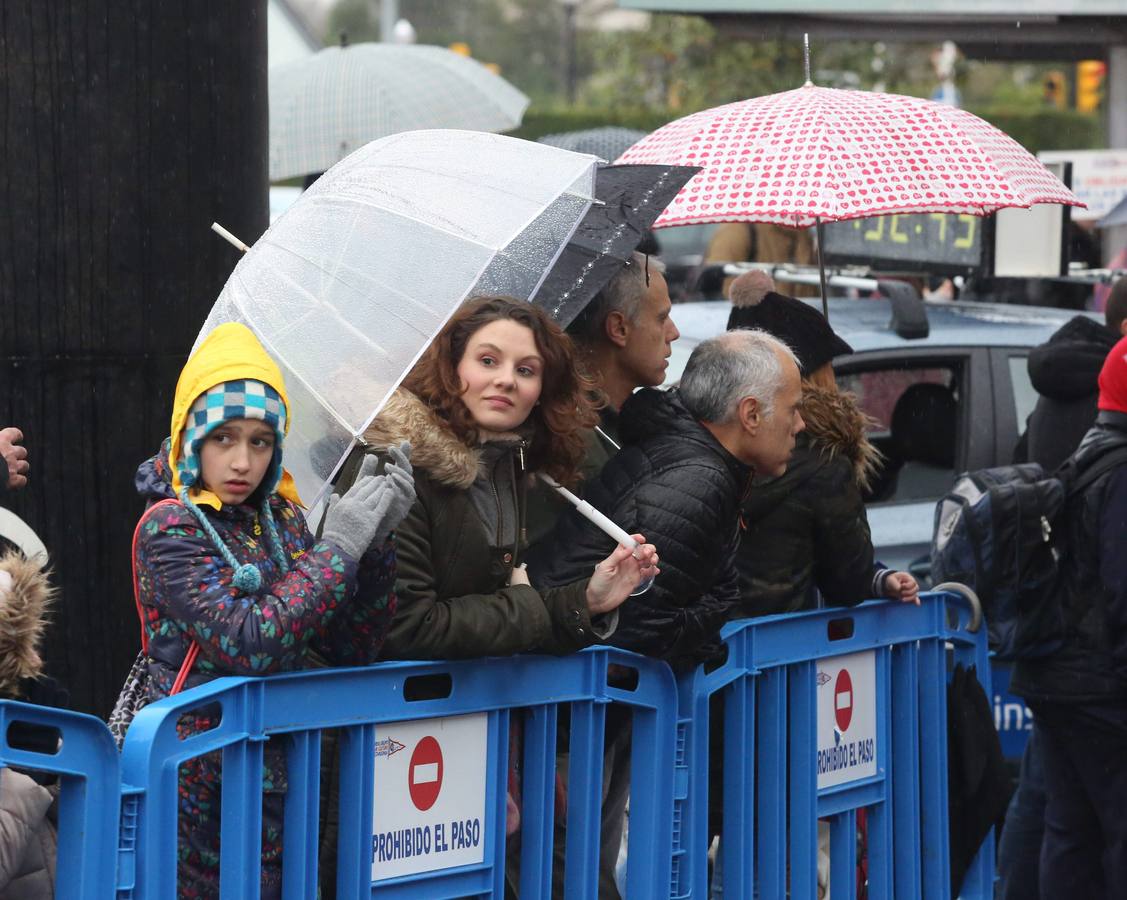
(616, 577)
(901, 586)
(519, 575)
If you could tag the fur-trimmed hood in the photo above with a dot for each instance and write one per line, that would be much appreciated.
(835, 424)
(23, 619)
(435, 448)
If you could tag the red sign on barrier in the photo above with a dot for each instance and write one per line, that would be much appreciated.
(843, 700)
(424, 776)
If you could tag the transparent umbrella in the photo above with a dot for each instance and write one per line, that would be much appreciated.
(347, 288)
(329, 104)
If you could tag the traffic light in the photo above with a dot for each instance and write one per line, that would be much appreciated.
(1089, 82)
(1052, 89)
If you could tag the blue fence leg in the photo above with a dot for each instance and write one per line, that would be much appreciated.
(241, 830)
(538, 793)
(354, 835)
(738, 868)
(771, 780)
(905, 771)
(843, 855)
(584, 800)
(802, 743)
(934, 841)
(300, 832)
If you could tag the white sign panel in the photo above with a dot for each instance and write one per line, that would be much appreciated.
(1099, 178)
(429, 810)
(847, 718)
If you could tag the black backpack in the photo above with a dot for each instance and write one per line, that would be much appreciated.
(998, 532)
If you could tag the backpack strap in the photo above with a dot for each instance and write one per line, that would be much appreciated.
(1078, 482)
(194, 648)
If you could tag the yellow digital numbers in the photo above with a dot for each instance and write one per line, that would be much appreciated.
(967, 240)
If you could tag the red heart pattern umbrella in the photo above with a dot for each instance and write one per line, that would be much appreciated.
(815, 153)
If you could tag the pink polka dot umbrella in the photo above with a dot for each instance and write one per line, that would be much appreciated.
(817, 153)
(814, 155)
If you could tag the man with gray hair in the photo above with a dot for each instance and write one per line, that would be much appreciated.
(687, 459)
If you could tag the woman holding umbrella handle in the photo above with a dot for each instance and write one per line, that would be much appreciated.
(495, 398)
(229, 580)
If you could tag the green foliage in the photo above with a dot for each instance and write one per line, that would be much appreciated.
(682, 63)
(1043, 128)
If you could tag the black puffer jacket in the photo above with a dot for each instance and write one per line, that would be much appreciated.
(1091, 667)
(673, 482)
(1064, 371)
(807, 528)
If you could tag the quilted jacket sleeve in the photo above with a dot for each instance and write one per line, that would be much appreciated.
(687, 513)
(185, 584)
(356, 634)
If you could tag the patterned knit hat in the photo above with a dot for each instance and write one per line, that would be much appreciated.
(237, 399)
(240, 399)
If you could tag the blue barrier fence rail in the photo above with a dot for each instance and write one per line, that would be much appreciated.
(824, 714)
(792, 753)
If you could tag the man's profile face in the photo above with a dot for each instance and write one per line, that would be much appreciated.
(773, 442)
(651, 335)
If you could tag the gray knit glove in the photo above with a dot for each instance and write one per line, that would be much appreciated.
(398, 493)
(351, 520)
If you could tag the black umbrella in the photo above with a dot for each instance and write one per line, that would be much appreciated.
(632, 197)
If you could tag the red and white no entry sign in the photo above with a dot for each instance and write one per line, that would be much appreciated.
(843, 700)
(424, 776)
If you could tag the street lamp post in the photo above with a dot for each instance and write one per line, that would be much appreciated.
(569, 42)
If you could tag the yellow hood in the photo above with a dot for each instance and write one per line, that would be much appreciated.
(230, 352)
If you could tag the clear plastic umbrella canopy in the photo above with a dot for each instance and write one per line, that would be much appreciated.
(347, 288)
(329, 104)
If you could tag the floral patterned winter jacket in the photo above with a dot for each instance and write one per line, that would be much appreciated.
(328, 602)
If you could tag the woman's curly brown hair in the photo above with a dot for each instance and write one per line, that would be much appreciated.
(566, 407)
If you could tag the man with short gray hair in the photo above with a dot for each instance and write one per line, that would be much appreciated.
(687, 458)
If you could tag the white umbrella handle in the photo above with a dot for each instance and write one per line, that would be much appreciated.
(228, 237)
(590, 513)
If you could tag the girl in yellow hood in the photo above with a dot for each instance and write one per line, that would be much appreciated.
(230, 581)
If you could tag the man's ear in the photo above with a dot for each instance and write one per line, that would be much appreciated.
(751, 415)
(616, 328)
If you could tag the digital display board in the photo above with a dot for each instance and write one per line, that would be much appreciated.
(937, 242)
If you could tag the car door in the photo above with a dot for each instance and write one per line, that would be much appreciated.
(932, 411)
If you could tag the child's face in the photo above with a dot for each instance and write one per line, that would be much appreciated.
(234, 458)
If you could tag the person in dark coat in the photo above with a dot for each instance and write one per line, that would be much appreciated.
(685, 464)
(805, 532)
(1065, 372)
(624, 338)
(1079, 693)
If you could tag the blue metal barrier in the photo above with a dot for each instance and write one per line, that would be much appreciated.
(378, 721)
(86, 763)
(826, 713)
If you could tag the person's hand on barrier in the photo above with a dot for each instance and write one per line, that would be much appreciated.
(619, 574)
(901, 586)
(519, 575)
(15, 457)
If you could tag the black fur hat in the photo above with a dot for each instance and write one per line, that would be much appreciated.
(755, 304)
